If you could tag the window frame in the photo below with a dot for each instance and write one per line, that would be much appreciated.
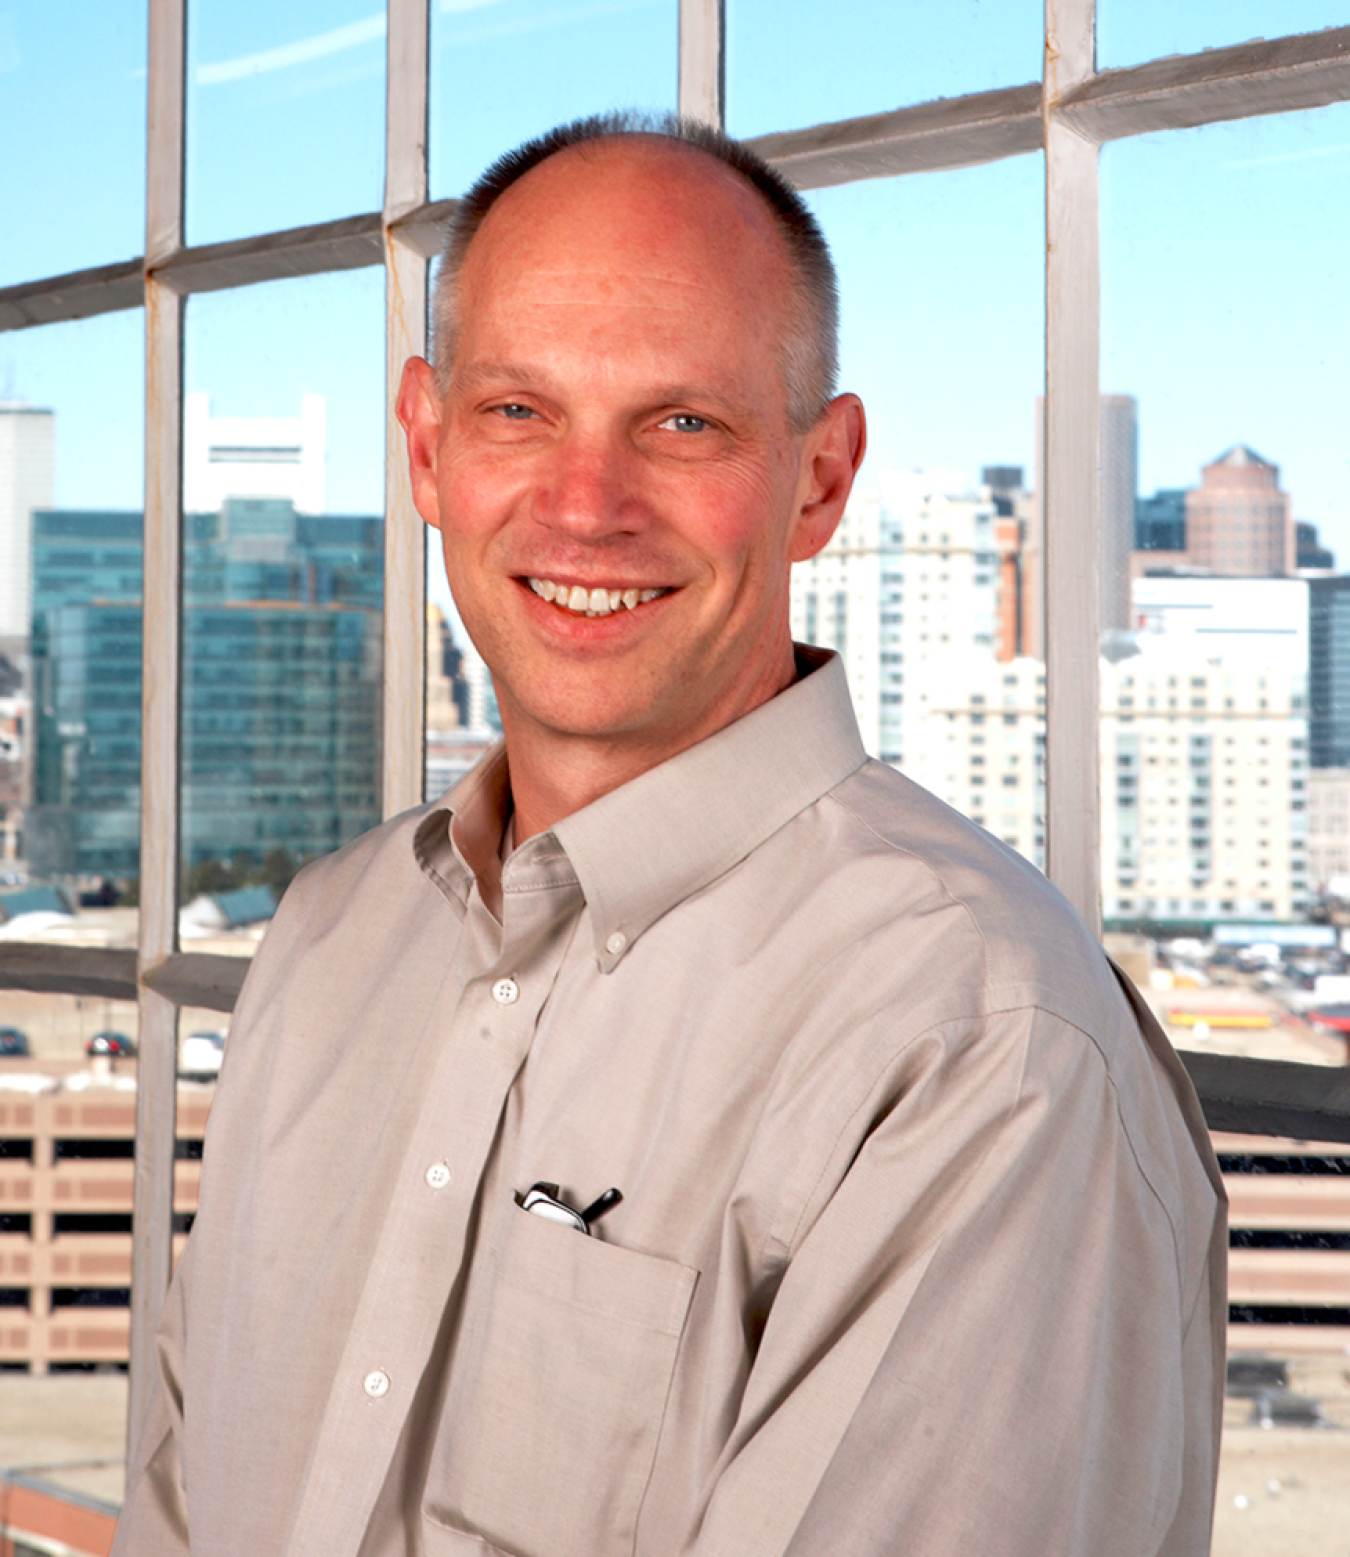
(1067, 116)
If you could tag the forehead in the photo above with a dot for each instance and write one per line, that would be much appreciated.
(631, 223)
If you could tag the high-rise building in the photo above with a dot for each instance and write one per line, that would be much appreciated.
(907, 582)
(848, 598)
(1160, 522)
(1118, 480)
(27, 440)
(1238, 521)
(281, 458)
(447, 690)
(980, 746)
(1204, 787)
(1329, 829)
(1329, 670)
(281, 677)
(1309, 553)
(1118, 463)
(1257, 622)
(1013, 511)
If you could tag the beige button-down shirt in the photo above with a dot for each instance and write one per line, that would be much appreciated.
(920, 1248)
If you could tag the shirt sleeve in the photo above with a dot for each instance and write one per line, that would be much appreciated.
(991, 1340)
(153, 1521)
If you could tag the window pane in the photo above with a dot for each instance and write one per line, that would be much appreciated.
(71, 442)
(1224, 268)
(1282, 1482)
(283, 445)
(936, 563)
(285, 114)
(1229, 334)
(501, 73)
(67, 1157)
(791, 64)
(1129, 31)
(72, 117)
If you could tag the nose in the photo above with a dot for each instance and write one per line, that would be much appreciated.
(590, 491)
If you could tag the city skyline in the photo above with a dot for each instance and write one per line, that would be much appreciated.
(1225, 329)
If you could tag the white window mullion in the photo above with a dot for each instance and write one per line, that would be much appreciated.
(161, 657)
(1069, 501)
(702, 89)
(405, 622)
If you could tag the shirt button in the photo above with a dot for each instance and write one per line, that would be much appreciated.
(506, 992)
(616, 943)
(438, 1175)
(376, 1384)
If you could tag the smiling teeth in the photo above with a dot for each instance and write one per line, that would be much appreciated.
(591, 602)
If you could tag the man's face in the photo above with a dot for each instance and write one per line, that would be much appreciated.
(612, 469)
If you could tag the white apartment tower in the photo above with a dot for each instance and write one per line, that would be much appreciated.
(980, 746)
(906, 585)
(27, 443)
(1204, 788)
(254, 456)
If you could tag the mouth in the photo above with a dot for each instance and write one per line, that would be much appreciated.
(581, 601)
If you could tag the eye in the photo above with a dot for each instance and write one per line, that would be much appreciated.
(514, 411)
(685, 422)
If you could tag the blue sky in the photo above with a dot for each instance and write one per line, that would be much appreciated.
(1224, 250)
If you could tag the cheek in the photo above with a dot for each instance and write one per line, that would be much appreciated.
(474, 496)
(734, 519)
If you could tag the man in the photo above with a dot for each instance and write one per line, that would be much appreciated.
(916, 1244)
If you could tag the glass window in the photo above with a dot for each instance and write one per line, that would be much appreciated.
(503, 72)
(1223, 336)
(789, 64)
(285, 109)
(71, 455)
(1131, 31)
(72, 115)
(283, 443)
(929, 588)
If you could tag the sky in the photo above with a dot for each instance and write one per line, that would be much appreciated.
(1225, 250)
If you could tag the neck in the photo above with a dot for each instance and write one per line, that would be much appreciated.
(555, 773)
(552, 778)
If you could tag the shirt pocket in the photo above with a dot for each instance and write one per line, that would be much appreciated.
(558, 1390)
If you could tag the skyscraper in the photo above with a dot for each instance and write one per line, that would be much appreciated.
(1118, 480)
(279, 457)
(906, 583)
(26, 444)
(1118, 464)
(1238, 522)
(1329, 671)
(281, 679)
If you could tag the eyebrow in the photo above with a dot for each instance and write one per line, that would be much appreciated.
(483, 374)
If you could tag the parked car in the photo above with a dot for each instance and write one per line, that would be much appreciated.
(1281, 1409)
(1335, 1016)
(1253, 1374)
(200, 1057)
(13, 1042)
(115, 1044)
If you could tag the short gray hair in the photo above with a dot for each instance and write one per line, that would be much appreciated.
(811, 349)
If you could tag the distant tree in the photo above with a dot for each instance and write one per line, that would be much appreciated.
(209, 877)
(276, 871)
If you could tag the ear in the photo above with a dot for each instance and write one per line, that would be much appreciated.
(419, 413)
(831, 453)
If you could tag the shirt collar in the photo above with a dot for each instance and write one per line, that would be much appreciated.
(646, 846)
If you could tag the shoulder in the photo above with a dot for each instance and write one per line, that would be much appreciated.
(1044, 981)
(996, 911)
(346, 911)
(375, 873)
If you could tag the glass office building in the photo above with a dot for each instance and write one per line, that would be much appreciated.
(281, 638)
